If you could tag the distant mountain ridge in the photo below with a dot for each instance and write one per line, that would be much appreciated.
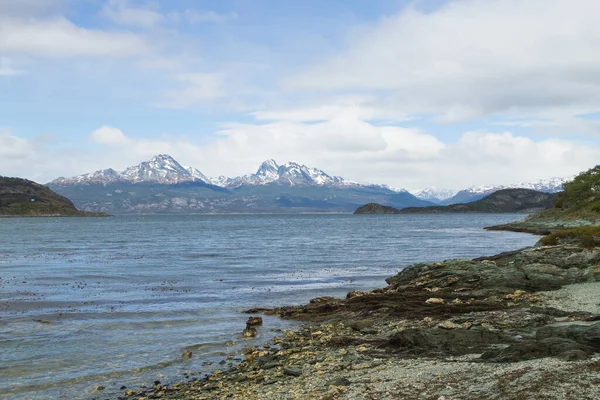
(473, 193)
(163, 185)
(161, 169)
(164, 169)
(290, 174)
(501, 201)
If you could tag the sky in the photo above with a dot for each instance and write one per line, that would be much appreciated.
(412, 94)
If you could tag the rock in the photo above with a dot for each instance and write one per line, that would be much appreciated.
(254, 321)
(574, 355)
(249, 332)
(361, 324)
(100, 388)
(186, 354)
(322, 300)
(369, 331)
(292, 371)
(451, 341)
(435, 300)
(448, 325)
(535, 349)
(588, 335)
(355, 293)
(338, 382)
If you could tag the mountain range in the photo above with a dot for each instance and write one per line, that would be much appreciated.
(474, 193)
(161, 184)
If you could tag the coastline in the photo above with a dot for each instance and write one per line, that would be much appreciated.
(500, 327)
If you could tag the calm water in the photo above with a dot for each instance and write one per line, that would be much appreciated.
(115, 301)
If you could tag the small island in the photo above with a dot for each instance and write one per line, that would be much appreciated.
(24, 198)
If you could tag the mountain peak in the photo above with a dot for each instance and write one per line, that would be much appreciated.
(267, 168)
(161, 168)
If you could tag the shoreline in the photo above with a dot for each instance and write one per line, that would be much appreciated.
(498, 327)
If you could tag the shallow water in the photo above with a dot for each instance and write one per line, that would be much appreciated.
(114, 301)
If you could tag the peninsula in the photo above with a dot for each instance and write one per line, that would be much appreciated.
(24, 198)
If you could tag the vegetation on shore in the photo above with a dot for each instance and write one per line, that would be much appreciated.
(577, 206)
(585, 236)
(24, 198)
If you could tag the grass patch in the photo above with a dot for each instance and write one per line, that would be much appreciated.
(585, 236)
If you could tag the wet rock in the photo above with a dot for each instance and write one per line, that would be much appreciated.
(254, 321)
(249, 332)
(187, 354)
(355, 293)
(322, 300)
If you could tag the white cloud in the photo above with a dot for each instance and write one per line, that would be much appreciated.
(194, 88)
(109, 136)
(59, 37)
(473, 58)
(345, 146)
(196, 17)
(13, 147)
(122, 13)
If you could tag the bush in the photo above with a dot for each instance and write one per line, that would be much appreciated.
(584, 236)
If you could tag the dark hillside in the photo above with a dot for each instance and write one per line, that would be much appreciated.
(21, 197)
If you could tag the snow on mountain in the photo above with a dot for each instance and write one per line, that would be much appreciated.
(434, 194)
(551, 185)
(473, 193)
(101, 176)
(160, 169)
(197, 175)
(289, 174)
(445, 196)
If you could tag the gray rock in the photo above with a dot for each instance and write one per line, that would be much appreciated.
(292, 371)
(588, 335)
(574, 355)
(338, 382)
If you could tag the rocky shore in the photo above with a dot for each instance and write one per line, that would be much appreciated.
(518, 325)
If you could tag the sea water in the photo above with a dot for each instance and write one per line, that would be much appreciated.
(113, 302)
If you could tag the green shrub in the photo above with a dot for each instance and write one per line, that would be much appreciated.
(585, 236)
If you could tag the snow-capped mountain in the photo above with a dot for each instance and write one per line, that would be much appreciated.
(161, 169)
(197, 175)
(154, 186)
(473, 193)
(289, 174)
(446, 196)
(102, 176)
(435, 194)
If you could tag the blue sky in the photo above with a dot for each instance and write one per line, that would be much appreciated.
(408, 93)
